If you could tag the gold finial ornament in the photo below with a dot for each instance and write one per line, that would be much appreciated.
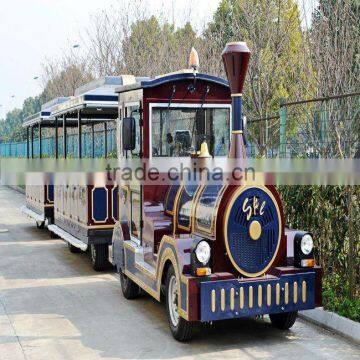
(194, 60)
(204, 150)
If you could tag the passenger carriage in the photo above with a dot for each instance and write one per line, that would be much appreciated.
(211, 251)
(39, 193)
(85, 214)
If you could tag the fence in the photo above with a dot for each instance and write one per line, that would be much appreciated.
(19, 149)
(322, 127)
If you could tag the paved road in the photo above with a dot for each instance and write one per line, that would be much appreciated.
(54, 306)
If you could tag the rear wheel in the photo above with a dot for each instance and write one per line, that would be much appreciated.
(73, 249)
(129, 289)
(181, 329)
(283, 321)
(99, 256)
(40, 224)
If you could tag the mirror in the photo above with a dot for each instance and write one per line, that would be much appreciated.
(128, 133)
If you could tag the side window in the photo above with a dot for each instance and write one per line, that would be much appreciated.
(133, 111)
(135, 215)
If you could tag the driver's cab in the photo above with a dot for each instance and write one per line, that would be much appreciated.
(167, 117)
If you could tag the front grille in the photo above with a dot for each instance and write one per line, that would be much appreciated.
(226, 299)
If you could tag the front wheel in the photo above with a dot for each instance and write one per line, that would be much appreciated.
(181, 329)
(129, 289)
(99, 256)
(283, 321)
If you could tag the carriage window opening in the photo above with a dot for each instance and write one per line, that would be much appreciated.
(180, 131)
(135, 217)
(133, 112)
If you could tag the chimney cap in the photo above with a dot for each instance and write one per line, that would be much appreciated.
(236, 57)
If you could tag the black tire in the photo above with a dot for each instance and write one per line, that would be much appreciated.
(283, 321)
(183, 330)
(40, 225)
(99, 256)
(129, 289)
(73, 249)
(53, 235)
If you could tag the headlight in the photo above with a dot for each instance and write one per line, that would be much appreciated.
(307, 244)
(202, 252)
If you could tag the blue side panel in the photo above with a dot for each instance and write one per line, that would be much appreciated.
(99, 205)
(115, 202)
(50, 192)
(185, 203)
(217, 303)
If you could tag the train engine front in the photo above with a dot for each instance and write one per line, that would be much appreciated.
(251, 263)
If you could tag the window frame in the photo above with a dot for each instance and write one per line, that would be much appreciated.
(185, 105)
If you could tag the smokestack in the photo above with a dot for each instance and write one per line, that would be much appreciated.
(236, 57)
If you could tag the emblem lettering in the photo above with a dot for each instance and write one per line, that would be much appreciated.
(250, 209)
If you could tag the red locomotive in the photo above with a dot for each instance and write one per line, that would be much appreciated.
(211, 251)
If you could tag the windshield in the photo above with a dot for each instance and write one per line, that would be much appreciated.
(180, 131)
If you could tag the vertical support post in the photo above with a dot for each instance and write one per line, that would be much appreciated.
(27, 143)
(56, 139)
(79, 134)
(282, 150)
(105, 140)
(32, 142)
(64, 136)
(93, 140)
(40, 141)
(323, 127)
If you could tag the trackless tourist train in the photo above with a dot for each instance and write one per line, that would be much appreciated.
(212, 252)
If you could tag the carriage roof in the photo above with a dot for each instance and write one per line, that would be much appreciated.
(181, 75)
(96, 99)
(44, 117)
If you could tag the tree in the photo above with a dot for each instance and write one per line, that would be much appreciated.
(62, 76)
(153, 48)
(278, 67)
(11, 128)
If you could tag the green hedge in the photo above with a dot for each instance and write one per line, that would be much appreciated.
(332, 215)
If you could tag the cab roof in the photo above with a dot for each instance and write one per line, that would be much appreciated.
(181, 75)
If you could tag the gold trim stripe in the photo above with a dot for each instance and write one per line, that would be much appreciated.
(286, 295)
(277, 294)
(260, 296)
(222, 299)
(232, 298)
(213, 300)
(268, 295)
(236, 95)
(241, 298)
(303, 295)
(237, 132)
(295, 292)
(251, 297)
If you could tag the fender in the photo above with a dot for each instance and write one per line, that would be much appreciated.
(120, 234)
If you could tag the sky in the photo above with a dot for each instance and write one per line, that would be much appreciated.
(31, 30)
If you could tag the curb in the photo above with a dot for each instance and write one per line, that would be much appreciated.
(334, 322)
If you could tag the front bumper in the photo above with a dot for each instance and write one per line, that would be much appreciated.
(235, 298)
